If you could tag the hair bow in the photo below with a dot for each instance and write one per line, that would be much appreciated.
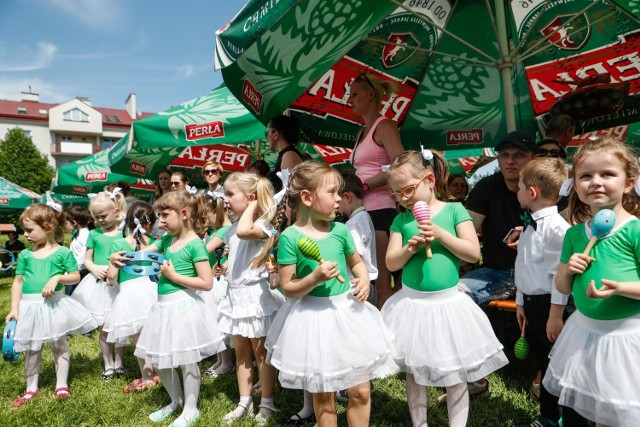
(192, 190)
(565, 188)
(113, 193)
(92, 195)
(426, 153)
(52, 203)
(217, 194)
(139, 228)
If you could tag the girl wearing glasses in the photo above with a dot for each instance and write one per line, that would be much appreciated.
(212, 172)
(179, 181)
(376, 145)
(283, 133)
(463, 347)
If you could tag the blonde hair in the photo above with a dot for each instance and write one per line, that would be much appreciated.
(115, 201)
(580, 211)
(214, 205)
(381, 87)
(546, 174)
(45, 216)
(180, 199)
(418, 166)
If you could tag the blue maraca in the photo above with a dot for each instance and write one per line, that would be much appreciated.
(601, 225)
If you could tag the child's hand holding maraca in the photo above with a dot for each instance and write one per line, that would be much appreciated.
(309, 249)
(422, 214)
(219, 269)
(578, 263)
(326, 270)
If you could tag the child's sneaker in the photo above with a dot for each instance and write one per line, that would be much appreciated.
(541, 421)
(478, 388)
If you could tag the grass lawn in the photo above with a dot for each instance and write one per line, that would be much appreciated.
(95, 402)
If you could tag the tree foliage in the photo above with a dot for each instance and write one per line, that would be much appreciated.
(22, 163)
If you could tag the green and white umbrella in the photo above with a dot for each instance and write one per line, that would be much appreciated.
(66, 200)
(13, 196)
(91, 174)
(468, 70)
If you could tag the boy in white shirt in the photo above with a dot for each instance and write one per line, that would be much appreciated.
(539, 303)
(78, 220)
(360, 227)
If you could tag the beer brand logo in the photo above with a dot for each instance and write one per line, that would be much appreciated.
(400, 47)
(568, 35)
(78, 189)
(204, 130)
(95, 176)
(138, 168)
(251, 96)
(4, 201)
(471, 136)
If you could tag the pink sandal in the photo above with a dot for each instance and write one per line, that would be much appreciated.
(26, 397)
(62, 393)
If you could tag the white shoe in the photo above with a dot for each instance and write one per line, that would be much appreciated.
(241, 411)
(265, 412)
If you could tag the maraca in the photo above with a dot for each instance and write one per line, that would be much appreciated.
(422, 212)
(219, 253)
(601, 225)
(521, 348)
(309, 249)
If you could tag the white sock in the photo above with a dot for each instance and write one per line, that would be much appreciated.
(266, 411)
(32, 368)
(458, 404)
(239, 412)
(171, 383)
(417, 400)
(307, 408)
(191, 379)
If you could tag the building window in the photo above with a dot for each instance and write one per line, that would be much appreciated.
(26, 133)
(76, 115)
(66, 138)
(108, 142)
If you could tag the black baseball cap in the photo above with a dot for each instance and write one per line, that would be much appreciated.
(517, 139)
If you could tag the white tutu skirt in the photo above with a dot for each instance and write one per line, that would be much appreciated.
(249, 311)
(326, 344)
(48, 319)
(179, 331)
(594, 369)
(442, 338)
(130, 309)
(96, 296)
(278, 324)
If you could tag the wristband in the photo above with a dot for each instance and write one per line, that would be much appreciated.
(365, 186)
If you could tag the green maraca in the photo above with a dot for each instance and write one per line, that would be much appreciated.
(521, 348)
(309, 249)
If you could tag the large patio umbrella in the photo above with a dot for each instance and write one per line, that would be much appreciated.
(13, 196)
(92, 173)
(468, 70)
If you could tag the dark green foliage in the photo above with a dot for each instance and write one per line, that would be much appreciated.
(22, 163)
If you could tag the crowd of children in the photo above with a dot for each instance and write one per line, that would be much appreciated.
(307, 315)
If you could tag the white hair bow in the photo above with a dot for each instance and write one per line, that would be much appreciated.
(565, 188)
(52, 203)
(192, 190)
(426, 153)
(113, 193)
(139, 228)
(92, 195)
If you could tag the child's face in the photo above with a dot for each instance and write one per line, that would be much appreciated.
(237, 200)
(344, 205)
(170, 220)
(600, 181)
(33, 232)
(325, 200)
(104, 215)
(407, 189)
(524, 195)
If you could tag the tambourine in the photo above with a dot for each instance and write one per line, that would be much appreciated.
(11, 257)
(136, 258)
(8, 352)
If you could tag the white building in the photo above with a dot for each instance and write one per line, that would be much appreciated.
(69, 131)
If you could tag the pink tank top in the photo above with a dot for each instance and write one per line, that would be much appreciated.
(367, 159)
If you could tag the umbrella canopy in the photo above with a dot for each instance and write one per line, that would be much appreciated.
(66, 200)
(13, 196)
(91, 174)
(468, 71)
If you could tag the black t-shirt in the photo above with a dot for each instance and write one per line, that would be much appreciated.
(492, 198)
(15, 246)
(272, 176)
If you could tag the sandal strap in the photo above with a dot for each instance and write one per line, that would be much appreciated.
(60, 390)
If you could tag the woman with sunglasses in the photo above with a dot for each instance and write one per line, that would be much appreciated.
(179, 180)
(211, 172)
(283, 133)
(551, 148)
(377, 144)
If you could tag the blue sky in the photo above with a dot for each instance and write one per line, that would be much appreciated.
(105, 49)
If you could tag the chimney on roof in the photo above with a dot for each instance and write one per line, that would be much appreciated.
(130, 105)
(85, 100)
(30, 96)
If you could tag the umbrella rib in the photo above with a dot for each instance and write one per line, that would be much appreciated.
(444, 30)
(532, 52)
(533, 24)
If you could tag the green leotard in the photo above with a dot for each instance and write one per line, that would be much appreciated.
(441, 271)
(124, 245)
(616, 258)
(101, 245)
(335, 246)
(37, 272)
(183, 261)
(219, 233)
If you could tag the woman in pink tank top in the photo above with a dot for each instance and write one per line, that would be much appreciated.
(378, 144)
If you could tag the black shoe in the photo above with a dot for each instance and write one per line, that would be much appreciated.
(297, 420)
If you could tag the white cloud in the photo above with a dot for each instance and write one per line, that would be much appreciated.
(10, 89)
(27, 59)
(94, 14)
(141, 43)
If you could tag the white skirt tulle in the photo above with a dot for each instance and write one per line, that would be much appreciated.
(594, 369)
(180, 330)
(326, 344)
(442, 338)
(221, 299)
(48, 319)
(250, 310)
(278, 324)
(130, 309)
(96, 296)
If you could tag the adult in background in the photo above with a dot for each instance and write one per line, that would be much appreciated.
(126, 190)
(283, 133)
(377, 144)
(458, 187)
(179, 180)
(13, 244)
(163, 184)
(561, 128)
(212, 172)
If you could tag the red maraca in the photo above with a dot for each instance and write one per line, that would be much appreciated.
(422, 212)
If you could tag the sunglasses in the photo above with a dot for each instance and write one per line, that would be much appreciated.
(210, 172)
(364, 77)
(176, 183)
(543, 152)
(408, 191)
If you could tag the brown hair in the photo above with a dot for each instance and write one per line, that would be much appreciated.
(80, 215)
(214, 205)
(546, 174)
(352, 184)
(45, 216)
(580, 211)
(418, 166)
(179, 199)
(159, 190)
(144, 213)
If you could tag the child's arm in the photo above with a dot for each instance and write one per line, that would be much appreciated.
(70, 278)
(464, 246)
(16, 296)
(397, 255)
(112, 273)
(247, 229)
(611, 287)
(294, 287)
(202, 282)
(360, 276)
(555, 322)
(99, 272)
(214, 243)
(577, 264)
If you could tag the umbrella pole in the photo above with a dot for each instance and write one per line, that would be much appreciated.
(506, 66)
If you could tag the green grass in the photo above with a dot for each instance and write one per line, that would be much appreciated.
(95, 403)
